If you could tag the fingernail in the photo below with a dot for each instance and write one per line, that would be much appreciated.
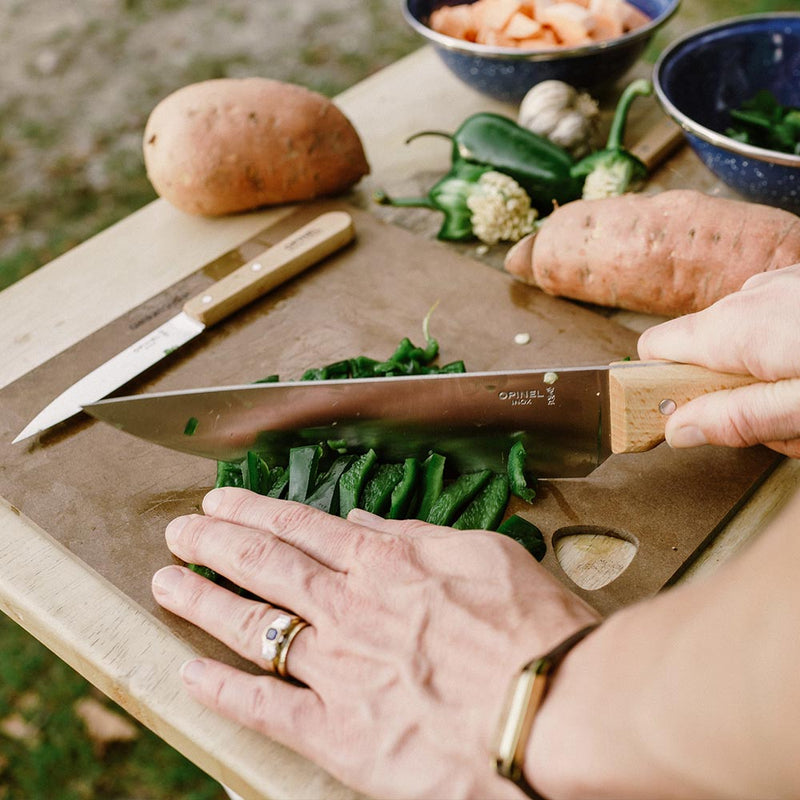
(166, 580)
(686, 436)
(192, 671)
(173, 530)
(212, 501)
(358, 515)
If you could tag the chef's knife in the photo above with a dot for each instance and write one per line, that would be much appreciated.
(303, 248)
(569, 419)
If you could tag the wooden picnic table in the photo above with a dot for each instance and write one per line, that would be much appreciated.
(88, 621)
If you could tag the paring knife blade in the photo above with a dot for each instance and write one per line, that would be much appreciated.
(308, 245)
(570, 419)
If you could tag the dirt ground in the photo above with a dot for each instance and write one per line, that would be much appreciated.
(79, 79)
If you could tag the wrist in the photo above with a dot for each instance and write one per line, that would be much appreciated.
(568, 750)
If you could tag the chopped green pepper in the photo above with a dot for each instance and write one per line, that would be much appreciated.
(378, 490)
(405, 491)
(206, 572)
(488, 507)
(432, 483)
(457, 495)
(280, 484)
(325, 496)
(526, 533)
(303, 464)
(517, 476)
(351, 484)
(229, 474)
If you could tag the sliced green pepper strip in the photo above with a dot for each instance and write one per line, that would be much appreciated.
(229, 474)
(405, 491)
(378, 490)
(280, 482)
(258, 475)
(487, 509)
(457, 495)
(303, 465)
(325, 496)
(526, 533)
(432, 483)
(352, 482)
(516, 473)
(206, 572)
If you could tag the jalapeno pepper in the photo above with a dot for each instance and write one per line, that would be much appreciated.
(541, 168)
(613, 170)
(488, 142)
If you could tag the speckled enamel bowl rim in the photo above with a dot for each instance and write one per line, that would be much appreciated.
(700, 131)
(525, 54)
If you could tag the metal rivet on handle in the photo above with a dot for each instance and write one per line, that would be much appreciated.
(256, 267)
(206, 299)
(667, 407)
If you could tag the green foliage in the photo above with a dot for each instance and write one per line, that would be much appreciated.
(57, 758)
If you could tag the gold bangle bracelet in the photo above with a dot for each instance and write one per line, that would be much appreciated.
(523, 700)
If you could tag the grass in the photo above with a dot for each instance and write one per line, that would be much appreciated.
(47, 752)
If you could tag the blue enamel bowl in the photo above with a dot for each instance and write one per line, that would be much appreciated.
(507, 73)
(704, 74)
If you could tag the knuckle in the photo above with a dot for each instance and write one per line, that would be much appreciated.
(289, 516)
(192, 532)
(253, 553)
(251, 623)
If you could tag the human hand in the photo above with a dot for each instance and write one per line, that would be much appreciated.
(415, 632)
(757, 331)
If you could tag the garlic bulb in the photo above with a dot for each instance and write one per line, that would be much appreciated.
(564, 115)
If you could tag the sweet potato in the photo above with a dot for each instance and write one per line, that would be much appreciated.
(228, 145)
(670, 253)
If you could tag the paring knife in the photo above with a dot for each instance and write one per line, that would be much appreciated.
(570, 419)
(303, 248)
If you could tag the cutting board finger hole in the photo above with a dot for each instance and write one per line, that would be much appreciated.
(592, 556)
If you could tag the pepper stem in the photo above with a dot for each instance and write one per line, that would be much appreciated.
(383, 199)
(639, 88)
(417, 135)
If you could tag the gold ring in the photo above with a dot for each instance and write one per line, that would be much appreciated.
(277, 639)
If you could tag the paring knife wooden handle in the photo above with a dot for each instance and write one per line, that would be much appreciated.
(643, 394)
(306, 246)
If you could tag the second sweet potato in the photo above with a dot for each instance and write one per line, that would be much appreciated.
(233, 144)
(670, 254)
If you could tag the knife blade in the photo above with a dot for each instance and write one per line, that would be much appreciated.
(306, 246)
(570, 419)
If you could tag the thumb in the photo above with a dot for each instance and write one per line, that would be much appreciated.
(760, 413)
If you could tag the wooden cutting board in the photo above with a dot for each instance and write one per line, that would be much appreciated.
(107, 496)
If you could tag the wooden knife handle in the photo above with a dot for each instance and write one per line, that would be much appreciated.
(658, 143)
(306, 246)
(643, 393)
